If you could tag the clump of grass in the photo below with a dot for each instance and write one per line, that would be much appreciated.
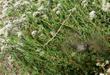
(53, 37)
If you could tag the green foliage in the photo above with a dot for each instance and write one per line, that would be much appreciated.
(51, 51)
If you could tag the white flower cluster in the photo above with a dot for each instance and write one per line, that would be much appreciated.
(92, 15)
(6, 29)
(33, 33)
(14, 24)
(102, 65)
(19, 4)
(105, 6)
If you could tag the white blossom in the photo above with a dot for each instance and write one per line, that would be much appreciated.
(8, 26)
(106, 7)
(92, 15)
(108, 70)
(101, 74)
(33, 33)
(98, 64)
(58, 12)
(107, 62)
(6, 29)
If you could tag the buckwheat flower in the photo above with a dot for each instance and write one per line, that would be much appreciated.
(8, 26)
(92, 15)
(84, 3)
(106, 7)
(108, 70)
(98, 64)
(58, 12)
(93, 2)
(33, 33)
(101, 74)
(6, 29)
(106, 62)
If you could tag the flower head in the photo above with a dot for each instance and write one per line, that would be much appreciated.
(33, 33)
(106, 7)
(92, 15)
